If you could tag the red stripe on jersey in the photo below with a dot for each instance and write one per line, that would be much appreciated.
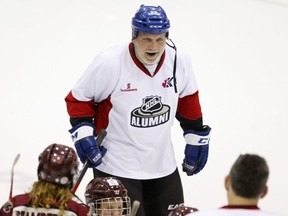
(101, 116)
(78, 108)
(240, 207)
(192, 101)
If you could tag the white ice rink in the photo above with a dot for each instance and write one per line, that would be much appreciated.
(240, 54)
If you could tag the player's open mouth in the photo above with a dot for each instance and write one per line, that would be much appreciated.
(151, 54)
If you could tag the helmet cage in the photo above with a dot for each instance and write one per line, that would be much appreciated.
(150, 20)
(111, 206)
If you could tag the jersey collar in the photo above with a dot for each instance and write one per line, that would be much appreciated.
(140, 65)
(240, 207)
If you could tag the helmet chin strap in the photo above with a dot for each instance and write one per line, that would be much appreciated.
(175, 60)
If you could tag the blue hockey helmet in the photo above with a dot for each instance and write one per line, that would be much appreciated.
(151, 20)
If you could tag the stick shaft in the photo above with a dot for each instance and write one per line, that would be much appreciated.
(83, 171)
(12, 175)
(135, 207)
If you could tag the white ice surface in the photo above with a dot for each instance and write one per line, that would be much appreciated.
(240, 55)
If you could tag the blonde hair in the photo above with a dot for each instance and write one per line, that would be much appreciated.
(48, 195)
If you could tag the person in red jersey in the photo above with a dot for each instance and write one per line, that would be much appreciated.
(51, 194)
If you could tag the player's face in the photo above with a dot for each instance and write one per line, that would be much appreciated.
(111, 208)
(149, 47)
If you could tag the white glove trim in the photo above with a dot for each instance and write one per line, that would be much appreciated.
(194, 139)
(82, 132)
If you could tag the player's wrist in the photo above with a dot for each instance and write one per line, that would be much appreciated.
(198, 138)
(82, 130)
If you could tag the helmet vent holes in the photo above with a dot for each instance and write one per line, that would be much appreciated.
(155, 20)
(64, 180)
(58, 164)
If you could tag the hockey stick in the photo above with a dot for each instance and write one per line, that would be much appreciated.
(12, 175)
(99, 140)
(8, 205)
(135, 207)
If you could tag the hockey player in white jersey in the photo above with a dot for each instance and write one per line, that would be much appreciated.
(246, 184)
(134, 91)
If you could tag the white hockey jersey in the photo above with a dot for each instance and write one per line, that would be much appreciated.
(136, 109)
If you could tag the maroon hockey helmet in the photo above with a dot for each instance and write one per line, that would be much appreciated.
(106, 187)
(58, 164)
(182, 210)
(107, 194)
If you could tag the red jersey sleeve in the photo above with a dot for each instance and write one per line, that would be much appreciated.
(189, 112)
(78, 108)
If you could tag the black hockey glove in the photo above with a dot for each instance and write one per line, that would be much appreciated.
(196, 150)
